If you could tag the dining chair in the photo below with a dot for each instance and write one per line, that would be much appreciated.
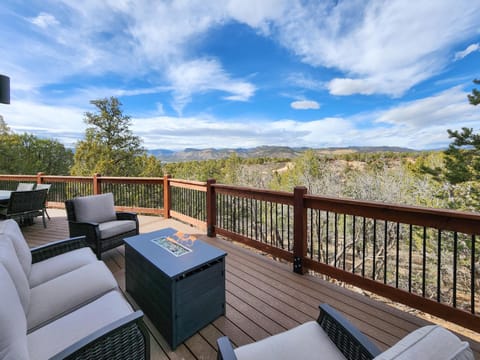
(41, 187)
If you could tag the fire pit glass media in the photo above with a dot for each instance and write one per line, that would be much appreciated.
(173, 247)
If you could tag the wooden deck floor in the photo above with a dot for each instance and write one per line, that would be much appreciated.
(264, 297)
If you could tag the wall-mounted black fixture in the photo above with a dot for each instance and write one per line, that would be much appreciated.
(4, 89)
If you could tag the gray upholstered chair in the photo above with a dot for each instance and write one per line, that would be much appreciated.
(95, 217)
(334, 337)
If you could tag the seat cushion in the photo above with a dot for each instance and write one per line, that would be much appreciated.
(117, 227)
(58, 265)
(307, 341)
(13, 325)
(10, 227)
(58, 335)
(95, 208)
(8, 257)
(65, 293)
(429, 342)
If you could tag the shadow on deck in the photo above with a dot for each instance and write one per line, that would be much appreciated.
(264, 297)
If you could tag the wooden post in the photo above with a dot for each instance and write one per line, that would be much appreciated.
(299, 229)
(96, 184)
(211, 208)
(167, 201)
(40, 178)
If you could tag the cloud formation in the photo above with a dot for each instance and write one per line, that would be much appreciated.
(470, 49)
(305, 105)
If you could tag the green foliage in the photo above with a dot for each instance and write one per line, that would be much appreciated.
(109, 148)
(28, 154)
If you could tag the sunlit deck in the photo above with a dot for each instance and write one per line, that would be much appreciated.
(264, 296)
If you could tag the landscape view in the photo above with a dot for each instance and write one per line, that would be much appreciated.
(358, 120)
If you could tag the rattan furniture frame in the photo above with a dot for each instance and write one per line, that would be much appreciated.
(126, 338)
(346, 337)
(91, 230)
(23, 206)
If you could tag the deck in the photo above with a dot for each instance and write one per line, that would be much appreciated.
(264, 297)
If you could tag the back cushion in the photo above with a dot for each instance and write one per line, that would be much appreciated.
(95, 208)
(9, 260)
(11, 228)
(429, 342)
(13, 325)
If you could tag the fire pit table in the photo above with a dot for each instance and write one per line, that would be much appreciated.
(177, 280)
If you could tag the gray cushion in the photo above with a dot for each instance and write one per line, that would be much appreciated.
(429, 342)
(58, 335)
(58, 265)
(95, 208)
(13, 325)
(307, 341)
(67, 292)
(10, 227)
(8, 257)
(113, 228)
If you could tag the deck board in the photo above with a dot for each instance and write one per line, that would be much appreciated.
(264, 296)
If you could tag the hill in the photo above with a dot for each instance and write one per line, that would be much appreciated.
(283, 152)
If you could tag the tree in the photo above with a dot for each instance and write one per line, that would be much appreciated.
(461, 169)
(109, 148)
(28, 154)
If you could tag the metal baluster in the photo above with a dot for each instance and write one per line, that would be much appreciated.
(424, 260)
(439, 264)
(397, 255)
(472, 277)
(410, 249)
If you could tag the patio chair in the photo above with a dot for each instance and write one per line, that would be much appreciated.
(334, 337)
(24, 206)
(44, 186)
(25, 186)
(95, 217)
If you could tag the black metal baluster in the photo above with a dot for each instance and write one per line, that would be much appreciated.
(385, 242)
(319, 235)
(311, 233)
(410, 249)
(424, 260)
(397, 255)
(326, 238)
(439, 264)
(455, 249)
(472, 277)
(374, 266)
(364, 230)
(354, 247)
(344, 241)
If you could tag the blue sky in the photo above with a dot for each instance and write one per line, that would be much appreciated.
(243, 73)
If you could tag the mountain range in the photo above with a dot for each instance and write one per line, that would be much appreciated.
(190, 154)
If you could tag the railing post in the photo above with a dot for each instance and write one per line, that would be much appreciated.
(167, 200)
(299, 229)
(39, 177)
(211, 208)
(96, 184)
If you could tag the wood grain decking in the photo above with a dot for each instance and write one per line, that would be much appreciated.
(264, 296)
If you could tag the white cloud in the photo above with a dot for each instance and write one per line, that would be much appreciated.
(382, 46)
(470, 49)
(305, 105)
(44, 20)
(203, 75)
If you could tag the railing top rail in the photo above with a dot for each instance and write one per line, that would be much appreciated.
(444, 219)
(187, 182)
(130, 180)
(280, 197)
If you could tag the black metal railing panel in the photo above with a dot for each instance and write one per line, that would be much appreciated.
(189, 202)
(435, 264)
(264, 221)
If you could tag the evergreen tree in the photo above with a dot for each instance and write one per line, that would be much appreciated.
(109, 147)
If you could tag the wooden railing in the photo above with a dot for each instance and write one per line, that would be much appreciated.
(425, 258)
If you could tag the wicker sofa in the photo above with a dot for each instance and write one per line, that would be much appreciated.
(333, 337)
(60, 302)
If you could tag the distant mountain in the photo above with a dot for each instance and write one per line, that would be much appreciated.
(190, 154)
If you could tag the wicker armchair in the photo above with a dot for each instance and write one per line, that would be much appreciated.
(310, 338)
(95, 217)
